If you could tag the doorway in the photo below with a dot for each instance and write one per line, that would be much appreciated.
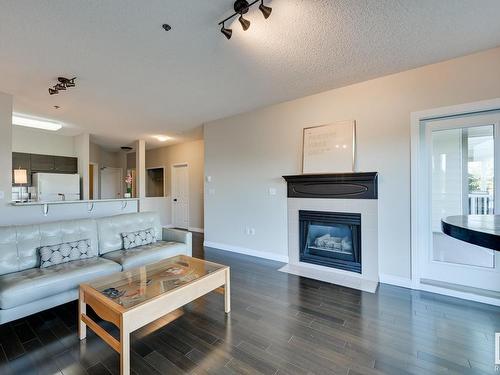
(458, 159)
(111, 183)
(180, 195)
(93, 181)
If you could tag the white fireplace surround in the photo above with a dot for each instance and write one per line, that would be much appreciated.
(368, 208)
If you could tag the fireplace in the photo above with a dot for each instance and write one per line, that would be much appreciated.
(331, 239)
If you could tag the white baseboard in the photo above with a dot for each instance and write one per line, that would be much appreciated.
(395, 280)
(197, 230)
(246, 251)
(168, 226)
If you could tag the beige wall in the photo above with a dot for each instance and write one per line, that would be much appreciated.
(191, 153)
(104, 158)
(41, 142)
(247, 154)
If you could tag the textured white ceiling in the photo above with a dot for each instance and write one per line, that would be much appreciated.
(135, 80)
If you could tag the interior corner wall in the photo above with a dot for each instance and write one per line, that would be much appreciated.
(193, 154)
(5, 148)
(247, 154)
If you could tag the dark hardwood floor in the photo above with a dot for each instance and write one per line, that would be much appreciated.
(279, 324)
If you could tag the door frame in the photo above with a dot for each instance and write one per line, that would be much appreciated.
(419, 180)
(186, 164)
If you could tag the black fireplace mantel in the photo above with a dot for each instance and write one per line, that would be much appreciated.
(363, 185)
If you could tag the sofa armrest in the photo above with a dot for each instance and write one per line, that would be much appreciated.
(177, 235)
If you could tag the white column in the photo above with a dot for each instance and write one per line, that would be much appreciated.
(140, 168)
(82, 151)
(5, 148)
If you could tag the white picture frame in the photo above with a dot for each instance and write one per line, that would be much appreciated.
(329, 148)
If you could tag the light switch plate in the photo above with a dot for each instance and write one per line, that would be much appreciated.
(208, 178)
(272, 191)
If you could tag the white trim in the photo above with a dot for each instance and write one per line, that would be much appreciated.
(395, 280)
(417, 189)
(168, 226)
(194, 229)
(457, 294)
(246, 251)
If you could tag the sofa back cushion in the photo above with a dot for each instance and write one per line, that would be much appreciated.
(110, 229)
(19, 244)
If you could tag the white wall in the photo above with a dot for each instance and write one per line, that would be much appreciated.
(41, 142)
(247, 154)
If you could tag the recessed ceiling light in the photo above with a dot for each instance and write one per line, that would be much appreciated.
(162, 138)
(30, 122)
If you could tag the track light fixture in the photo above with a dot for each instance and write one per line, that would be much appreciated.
(227, 32)
(241, 7)
(245, 24)
(63, 84)
(266, 11)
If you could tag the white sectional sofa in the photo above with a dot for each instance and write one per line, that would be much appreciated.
(25, 288)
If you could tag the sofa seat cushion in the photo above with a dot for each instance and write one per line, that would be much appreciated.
(147, 254)
(22, 287)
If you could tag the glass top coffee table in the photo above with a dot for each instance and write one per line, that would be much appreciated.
(131, 299)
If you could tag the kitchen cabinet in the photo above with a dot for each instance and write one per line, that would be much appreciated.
(64, 164)
(34, 163)
(42, 163)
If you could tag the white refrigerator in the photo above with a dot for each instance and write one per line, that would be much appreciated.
(52, 187)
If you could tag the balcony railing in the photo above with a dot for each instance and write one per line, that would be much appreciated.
(481, 204)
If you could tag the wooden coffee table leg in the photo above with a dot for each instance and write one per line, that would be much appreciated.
(124, 347)
(227, 293)
(82, 309)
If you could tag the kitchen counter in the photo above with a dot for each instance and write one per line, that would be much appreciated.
(73, 202)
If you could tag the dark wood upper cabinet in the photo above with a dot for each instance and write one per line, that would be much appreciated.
(42, 163)
(65, 164)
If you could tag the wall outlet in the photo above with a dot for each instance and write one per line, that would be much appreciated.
(211, 191)
(2, 195)
(272, 191)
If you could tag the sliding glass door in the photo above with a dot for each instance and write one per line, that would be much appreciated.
(462, 168)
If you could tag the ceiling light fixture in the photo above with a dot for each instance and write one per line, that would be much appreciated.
(227, 32)
(30, 122)
(63, 84)
(162, 138)
(266, 11)
(241, 7)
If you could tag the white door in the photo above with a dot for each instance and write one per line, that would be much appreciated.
(111, 183)
(180, 196)
(463, 163)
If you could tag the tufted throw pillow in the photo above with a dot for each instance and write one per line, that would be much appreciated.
(139, 238)
(65, 252)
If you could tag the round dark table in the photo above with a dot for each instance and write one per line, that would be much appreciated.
(481, 230)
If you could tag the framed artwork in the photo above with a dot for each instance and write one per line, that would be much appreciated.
(329, 148)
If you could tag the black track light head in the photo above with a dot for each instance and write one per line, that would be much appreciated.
(266, 11)
(53, 91)
(60, 86)
(227, 32)
(245, 24)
